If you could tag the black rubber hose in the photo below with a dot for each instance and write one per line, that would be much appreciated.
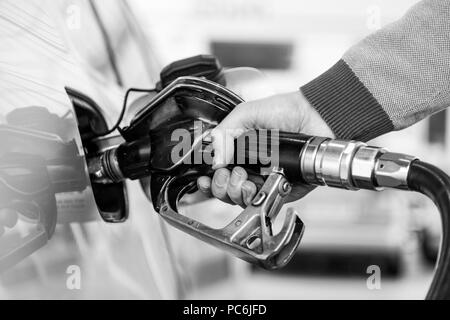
(435, 184)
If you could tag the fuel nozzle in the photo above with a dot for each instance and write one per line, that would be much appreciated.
(304, 159)
(190, 105)
(130, 160)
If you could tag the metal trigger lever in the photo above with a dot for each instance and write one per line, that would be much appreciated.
(249, 236)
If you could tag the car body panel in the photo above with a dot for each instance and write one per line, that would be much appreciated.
(129, 260)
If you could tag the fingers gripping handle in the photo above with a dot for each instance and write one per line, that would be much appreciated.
(249, 236)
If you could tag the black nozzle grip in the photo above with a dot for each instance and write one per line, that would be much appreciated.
(264, 149)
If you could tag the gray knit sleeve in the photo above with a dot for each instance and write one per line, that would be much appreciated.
(391, 79)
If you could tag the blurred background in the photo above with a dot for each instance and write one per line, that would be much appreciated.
(357, 245)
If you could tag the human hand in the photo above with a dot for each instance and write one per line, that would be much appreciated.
(289, 112)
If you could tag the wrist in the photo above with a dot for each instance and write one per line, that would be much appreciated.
(349, 108)
(311, 122)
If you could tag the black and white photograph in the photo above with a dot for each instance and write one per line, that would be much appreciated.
(212, 152)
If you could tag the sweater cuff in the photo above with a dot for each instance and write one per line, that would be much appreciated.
(346, 105)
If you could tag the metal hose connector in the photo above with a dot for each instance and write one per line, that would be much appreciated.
(353, 165)
(105, 168)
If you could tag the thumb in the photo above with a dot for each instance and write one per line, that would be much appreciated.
(223, 136)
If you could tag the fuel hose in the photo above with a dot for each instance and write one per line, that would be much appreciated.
(435, 184)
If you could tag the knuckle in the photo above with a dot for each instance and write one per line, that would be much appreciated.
(236, 198)
(219, 193)
(239, 171)
(249, 187)
(234, 192)
(220, 183)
